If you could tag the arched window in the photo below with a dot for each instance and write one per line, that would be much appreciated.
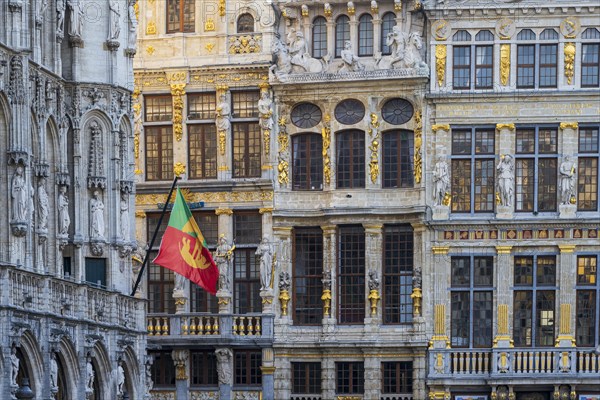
(590, 60)
(537, 63)
(342, 33)
(387, 24)
(245, 23)
(398, 151)
(307, 162)
(350, 159)
(365, 35)
(319, 38)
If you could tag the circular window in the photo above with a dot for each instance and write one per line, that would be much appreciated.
(306, 115)
(397, 111)
(349, 112)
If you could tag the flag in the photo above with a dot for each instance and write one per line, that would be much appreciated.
(183, 248)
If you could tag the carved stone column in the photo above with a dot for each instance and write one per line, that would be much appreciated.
(567, 273)
(268, 370)
(570, 143)
(329, 277)
(267, 295)
(180, 359)
(504, 279)
(328, 377)
(506, 146)
(224, 148)
(225, 372)
(283, 236)
(372, 378)
(441, 276)
(373, 271)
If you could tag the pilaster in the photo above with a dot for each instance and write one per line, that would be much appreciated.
(329, 277)
(567, 275)
(441, 273)
(373, 273)
(504, 279)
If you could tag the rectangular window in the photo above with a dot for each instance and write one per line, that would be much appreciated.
(247, 365)
(202, 147)
(246, 150)
(247, 227)
(397, 377)
(472, 301)
(202, 106)
(350, 159)
(587, 331)
(534, 301)
(95, 271)
(398, 262)
(473, 170)
(159, 152)
(180, 15)
(398, 158)
(307, 276)
(548, 65)
(590, 64)
(245, 104)
(162, 369)
(525, 66)
(203, 368)
(67, 272)
(160, 279)
(351, 275)
(484, 67)
(461, 67)
(587, 172)
(350, 378)
(536, 169)
(306, 377)
(158, 108)
(307, 161)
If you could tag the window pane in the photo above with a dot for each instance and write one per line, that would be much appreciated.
(484, 141)
(350, 377)
(460, 319)
(397, 274)
(546, 271)
(365, 35)
(397, 377)
(173, 16)
(188, 15)
(461, 142)
(387, 24)
(461, 271)
(524, 271)
(319, 38)
(306, 377)
(201, 106)
(524, 184)
(461, 185)
(246, 281)
(351, 275)
(247, 365)
(342, 33)
(588, 139)
(203, 366)
(525, 141)
(482, 319)
(162, 369)
(525, 66)
(202, 140)
(484, 66)
(245, 23)
(545, 318)
(484, 185)
(159, 152)
(351, 159)
(247, 227)
(95, 271)
(522, 311)
(548, 65)
(158, 108)
(398, 151)
(307, 161)
(590, 64)
(587, 269)
(246, 150)
(585, 322)
(483, 271)
(547, 141)
(587, 184)
(308, 275)
(461, 67)
(547, 170)
(245, 104)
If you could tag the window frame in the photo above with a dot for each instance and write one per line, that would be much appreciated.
(310, 233)
(250, 276)
(590, 37)
(366, 34)
(307, 376)
(385, 30)
(164, 366)
(166, 278)
(250, 372)
(244, 126)
(184, 20)
(160, 128)
(472, 45)
(202, 159)
(208, 363)
(307, 162)
(393, 235)
(404, 177)
(319, 37)
(355, 381)
(593, 288)
(238, 23)
(356, 166)
(341, 35)
(351, 284)
(403, 377)
(591, 156)
(537, 44)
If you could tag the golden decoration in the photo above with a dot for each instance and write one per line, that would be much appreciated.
(326, 297)
(418, 161)
(209, 46)
(569, 125)
(283, 140)
(209, 25)
(284, 298)
(283, 137)
(267, 141)
(569, 27)
(374, 147)
(447, 199)
(178, 91)
(222, 142)
(150, 50)
(140, 214)
(326, 135)
(416, 296)
(374, 7)
(283, 168)
(179, 169)
(565, 319)
(439, 326)
(440, 62)
(418, 5)
(440, 29)
(504, 63)
(374, 299)
(136, 10)
(503, 249)
(151, 28)
(244, 44)
(221, 8)
(351, 9)
(208, 197)
(440, 250)
(566, 248)
(265, 210)
(397, 5)
(224, 211)
(327, 10)
(304, 10)
(503, 319)
(440, 127)
(509, 127)
(569, 61)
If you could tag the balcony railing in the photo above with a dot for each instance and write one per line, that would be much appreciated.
(44, 294)
(495, 363)
(214, 325)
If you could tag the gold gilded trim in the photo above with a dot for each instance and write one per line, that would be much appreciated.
(569, 125)
(510, 127)
(440, 127)
(567, 248)
(440, 63)
(440, 250)
(504, 63)
(224, 211)
(209, 197)
(503, 249)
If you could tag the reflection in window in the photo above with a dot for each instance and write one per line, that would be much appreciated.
(398, 153)
(350, 159)
(180, 15)
(307, 161)
(245, 23)
(587, 172)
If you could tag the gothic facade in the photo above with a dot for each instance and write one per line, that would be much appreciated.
(70, 329)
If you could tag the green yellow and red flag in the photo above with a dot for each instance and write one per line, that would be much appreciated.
(183, 248)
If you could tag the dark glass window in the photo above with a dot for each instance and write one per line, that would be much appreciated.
(202, 106)
(247, 227)
(387, 25)
(342, 34)
(307, 276)
(247, 365)
(537, 63)
(461, 67)
(306, 115)
(534, 301)
(365, 35)
(202, 147)
(587, 172)
(319, 37)
(350, 159)
(307, 161)
(159, 152)
(461, 36)
(180, 15)
(67, 271)
(397, 111)
(306, 377)
(398, 153)
(162, 369)
(590, 60)
(536, 169)
(472, 301)
(349, 112)
(397, 277)
(484, 67)
(397, 377)
(548, 65)
(200, 300)
(473, 170)
(526, 66)
(350, 378)
(95, 271)
(351, 275)
(473, 63)
(158, 108)
(246, 150)
(245, 104)
(245, 23)
(588, 294)
(203, 366)
(160, 279)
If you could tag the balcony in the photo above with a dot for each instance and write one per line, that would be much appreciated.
(550, 363)
(36, 293)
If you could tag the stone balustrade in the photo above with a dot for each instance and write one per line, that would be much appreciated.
(213, 325)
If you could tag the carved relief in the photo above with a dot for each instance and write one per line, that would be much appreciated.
(440, 29)
(440, 63)
(569, 61)
(417, 158)
(504, 63)
(245, 44)
(178, 91)
(96, 178)
(326, 135)
(374, 147)
(283, 140)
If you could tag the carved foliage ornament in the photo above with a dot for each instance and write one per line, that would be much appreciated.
(178, 91)
(244, 44)
(440, 63)
(418, 162)
(569, 61)
(283, 140)
(374, 147)
(326, 135)
(504, 63)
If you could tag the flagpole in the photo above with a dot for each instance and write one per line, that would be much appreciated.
(162, 214)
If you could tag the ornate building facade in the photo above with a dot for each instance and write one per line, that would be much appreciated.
(69, 328)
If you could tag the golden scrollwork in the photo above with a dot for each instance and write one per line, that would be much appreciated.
(283, 140)
(374, 8)
(509, 127)
(440, 127)
(224, 211)
(209, 25)
(418, 160)
(351, 9)
(209, 46)
(569, 61)
(267, 141)
(151, 28)
(222, 142)
(179, 169)
(327, 10)
(374, 162)
(569, 125)
(283, 171)
(440, 63)
(221, 8)
(244, 44)
(504, 63)
(178, 91)
(208, 197)
(150, 50)
(326, 135)
(284, 298)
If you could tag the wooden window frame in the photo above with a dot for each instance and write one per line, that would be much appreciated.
(351, 284)
(309, 233)
(307, 163)
(183, 18)
(398, 245)
(356, 159)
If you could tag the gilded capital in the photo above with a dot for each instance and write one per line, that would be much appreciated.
(265, 210)
(440, 127)
(140, 214)
(503, 249)
(440, 250)
(224, 211)
(566, 248)
(510, 127)
(569, 125)
(179, 169)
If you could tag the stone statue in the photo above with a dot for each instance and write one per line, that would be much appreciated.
(149, 381)
(284, 280)
(413, 57)
(266, 112)
(298, 48)
(76, 18)
(396, 41)
(373, 280)
(179, 283)
(42, 6)
(43, 205)
(223, 114)
(60, 16)
(120, 379)
(97, 216)
(63, 211)
(506, 180)
(19, 196)
(132, 23)
(265, 252)
(224, 260)
(53, 372)
(283, 65)
(567, 172)
(115, 15)
(350, 62)
(224, 360)
(124, 216)
(89, 370)
(441, 181)
(14, 363)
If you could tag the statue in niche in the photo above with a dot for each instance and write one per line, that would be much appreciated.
(53, 372)
(89, 369)
(224, 360)
(76, 16)
(132, 23)
(14, 364)
(120, 378)
(224, 260)
(19, 194)
(265, 252)
(266, 112)
(97, 216)
(63, 211)
(223, 114)
(350, 62)
(115, 15)
(506, 180)
(43, 204)
(60, 16)
(567, 173)
(124, 208)
(441, 181)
